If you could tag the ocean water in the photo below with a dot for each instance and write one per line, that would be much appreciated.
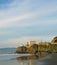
(7, 50)
(42, 58)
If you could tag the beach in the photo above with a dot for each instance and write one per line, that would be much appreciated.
(16, 59)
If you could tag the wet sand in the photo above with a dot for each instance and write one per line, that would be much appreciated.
(52, 60)
(41, 59)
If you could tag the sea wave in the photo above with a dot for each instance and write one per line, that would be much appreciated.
(14, 54)
(11, 56)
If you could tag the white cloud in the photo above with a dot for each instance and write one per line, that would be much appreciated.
(10, 18)
(10, 21)
(16, 15)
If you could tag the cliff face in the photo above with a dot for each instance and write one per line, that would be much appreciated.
(54, 40)
(24, 49)
(53, 45)
(41, 47)
(21, 49)
(33, 49)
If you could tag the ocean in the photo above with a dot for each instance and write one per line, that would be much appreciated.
(11, 58)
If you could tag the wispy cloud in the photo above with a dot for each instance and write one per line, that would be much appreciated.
(8, 21)
(21, 20)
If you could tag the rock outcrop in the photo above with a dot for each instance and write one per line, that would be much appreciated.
(41, 47)
(54, 40)
(21, 49)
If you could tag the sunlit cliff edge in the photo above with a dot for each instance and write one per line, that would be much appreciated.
(34, 47)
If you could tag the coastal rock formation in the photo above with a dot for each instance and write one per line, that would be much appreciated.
(54, 40)
(24, 49)
(21, 49)
(53, 46)
(34, 47)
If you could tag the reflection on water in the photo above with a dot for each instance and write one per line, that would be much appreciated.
(43, 58)
(32, 59)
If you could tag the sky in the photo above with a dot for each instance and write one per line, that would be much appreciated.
(24, 20)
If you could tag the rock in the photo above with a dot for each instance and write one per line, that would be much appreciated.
(54, 40)
(21, 49)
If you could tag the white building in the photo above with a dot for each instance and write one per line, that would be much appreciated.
(31, 42)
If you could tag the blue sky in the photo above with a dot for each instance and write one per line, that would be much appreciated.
(23, 20)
